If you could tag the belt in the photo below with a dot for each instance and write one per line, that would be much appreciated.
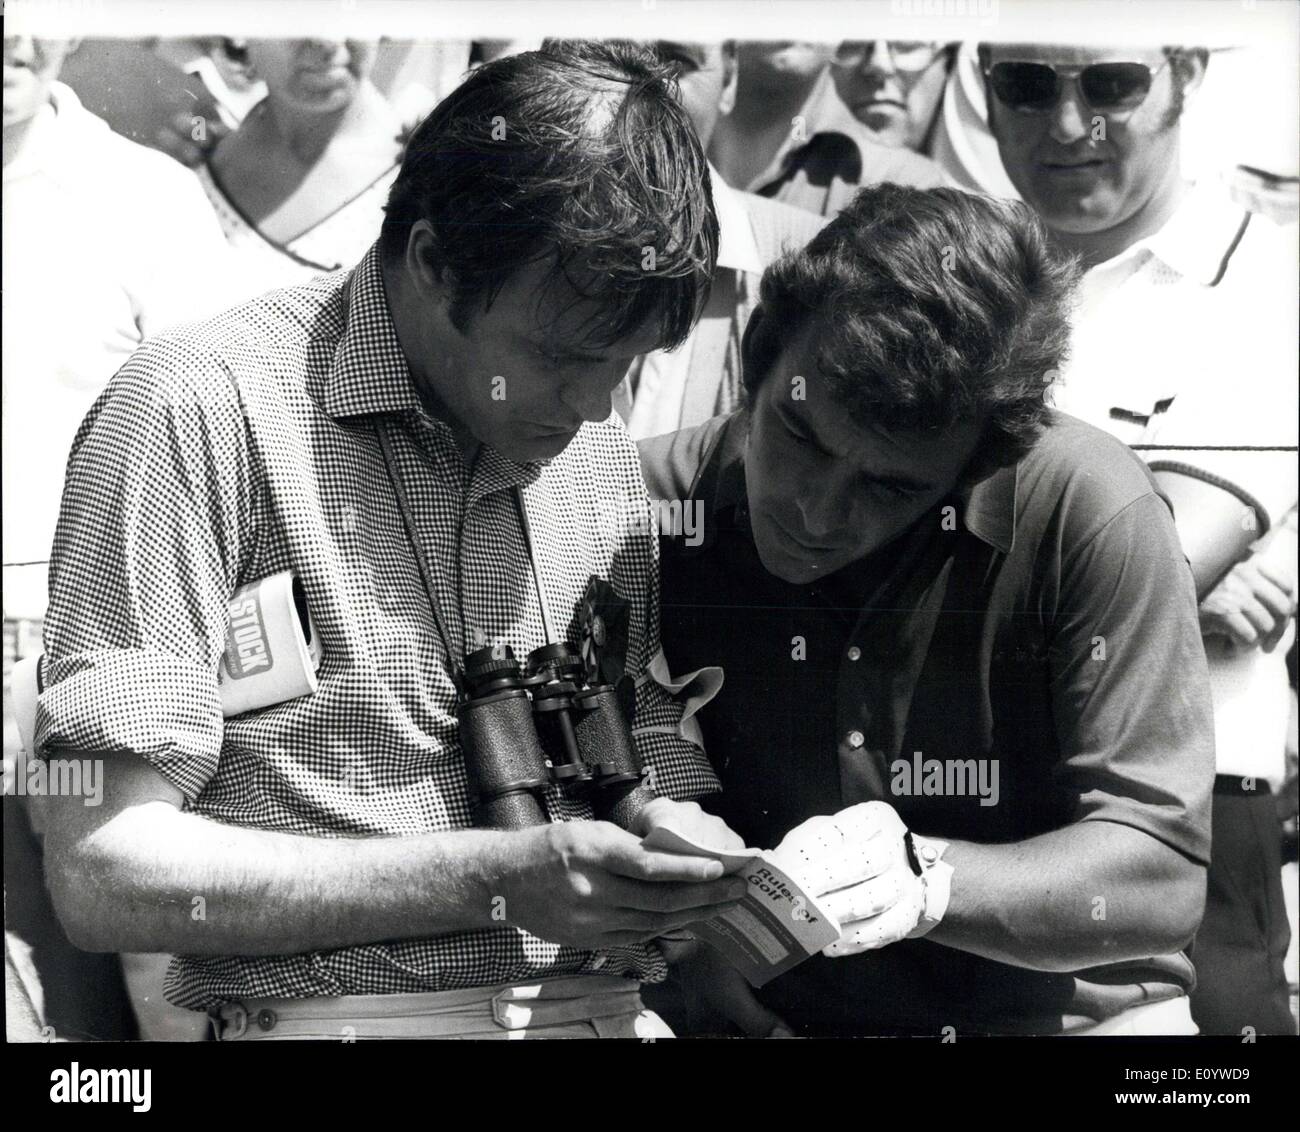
(503, 1010)
(1169, 1016)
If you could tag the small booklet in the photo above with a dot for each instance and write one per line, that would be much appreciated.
(271, 656)
(777, 926)
(272, 649)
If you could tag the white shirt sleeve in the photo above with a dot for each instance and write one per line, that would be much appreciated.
(182, 269)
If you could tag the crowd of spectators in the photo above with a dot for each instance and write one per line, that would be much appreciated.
(152, 183)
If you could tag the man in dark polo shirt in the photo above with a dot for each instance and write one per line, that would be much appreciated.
(933, 594)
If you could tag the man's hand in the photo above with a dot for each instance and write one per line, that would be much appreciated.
(856, 864)
(690, 821)
(1252, 604)
(707, 979)
(592, 885)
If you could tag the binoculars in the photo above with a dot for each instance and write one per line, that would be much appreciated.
(525, 728)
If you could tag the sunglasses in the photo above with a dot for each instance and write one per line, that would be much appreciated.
(1035, 88)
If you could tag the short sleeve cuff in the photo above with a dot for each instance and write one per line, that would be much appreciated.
(147, 702)
(1179, 831)
(679, 769)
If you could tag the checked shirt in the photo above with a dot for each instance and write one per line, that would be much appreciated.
(229, 450)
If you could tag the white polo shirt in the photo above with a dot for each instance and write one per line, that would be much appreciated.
(105, 243)
(1185, 347)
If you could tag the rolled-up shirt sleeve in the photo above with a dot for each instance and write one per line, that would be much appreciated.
(1130, 684)
(155, 518)
(678, 766)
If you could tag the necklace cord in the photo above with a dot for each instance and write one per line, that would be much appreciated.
(426, 573)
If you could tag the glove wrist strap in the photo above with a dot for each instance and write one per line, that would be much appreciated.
(936, 879)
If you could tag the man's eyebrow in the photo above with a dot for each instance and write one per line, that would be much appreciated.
(889, 479)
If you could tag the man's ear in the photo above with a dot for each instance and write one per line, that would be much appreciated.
(730, 78)
(756, 352)
(423, 266)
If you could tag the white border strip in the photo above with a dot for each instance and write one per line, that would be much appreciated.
(1214, 23)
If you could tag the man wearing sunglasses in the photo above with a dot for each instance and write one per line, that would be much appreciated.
(1184, 346)
(1090, 137)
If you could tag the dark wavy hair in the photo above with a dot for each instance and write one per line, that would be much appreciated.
(925, 308)
(581, 157)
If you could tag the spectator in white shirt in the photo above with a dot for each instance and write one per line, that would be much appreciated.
(299, 188)
(105, 243)
(1184, 347)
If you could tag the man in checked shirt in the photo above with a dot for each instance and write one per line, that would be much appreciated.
(312, 865)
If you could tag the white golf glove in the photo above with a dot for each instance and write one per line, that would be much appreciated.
(858, 866)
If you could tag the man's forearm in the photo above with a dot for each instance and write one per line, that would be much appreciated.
(1091, 893)
(153, 878)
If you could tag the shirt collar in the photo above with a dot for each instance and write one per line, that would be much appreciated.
(990, 510)
(369, 373)
(821, 113)
(737, 249)
(1198, 239)
(825, 114)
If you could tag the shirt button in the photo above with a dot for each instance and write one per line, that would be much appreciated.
(266, 1019)
(855, 653)
(855, 739)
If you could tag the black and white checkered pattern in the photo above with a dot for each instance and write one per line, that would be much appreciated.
(229, 450)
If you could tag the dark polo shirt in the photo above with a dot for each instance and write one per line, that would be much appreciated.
(1047, 622)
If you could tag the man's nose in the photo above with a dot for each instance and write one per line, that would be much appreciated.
(877, 59)
(1070, 118)
(822, 511)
